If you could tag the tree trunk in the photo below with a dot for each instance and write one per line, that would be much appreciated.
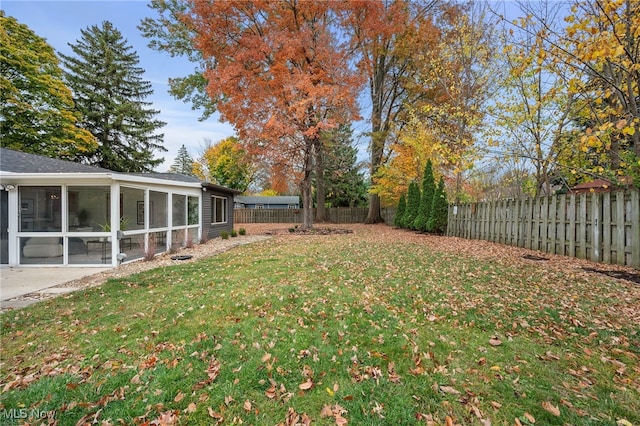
(374, 215)
(378, 138)
(321, 208)
(305, 186)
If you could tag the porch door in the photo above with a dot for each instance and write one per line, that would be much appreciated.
(4, 228)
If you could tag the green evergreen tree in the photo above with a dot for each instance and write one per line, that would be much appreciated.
(343, 182)
(37, 113)
(109, 92)
(413, 205)
(402, 205)
(426, 201)
(183, 163)
(439, 210)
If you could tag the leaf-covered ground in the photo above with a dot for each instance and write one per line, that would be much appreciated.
(378, 326)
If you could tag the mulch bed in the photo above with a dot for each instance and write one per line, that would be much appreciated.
(628, 276)
(320, 231)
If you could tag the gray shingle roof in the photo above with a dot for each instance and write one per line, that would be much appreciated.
(21, 162)
(168, 176)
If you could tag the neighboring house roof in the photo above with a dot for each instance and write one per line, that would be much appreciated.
(22, 162)
(598, 185)
(278, 199)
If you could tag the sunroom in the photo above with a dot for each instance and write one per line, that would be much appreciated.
(56, 212)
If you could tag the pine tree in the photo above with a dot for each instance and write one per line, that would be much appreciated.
(439, 210)
(402, 205)
(343, 181)
(413, 205)
(36, 107)
(426, 201)
(183, 163)
(109, 92)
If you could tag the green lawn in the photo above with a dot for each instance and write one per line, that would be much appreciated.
(377, 327)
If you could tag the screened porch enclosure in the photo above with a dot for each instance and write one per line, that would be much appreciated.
(103, 224)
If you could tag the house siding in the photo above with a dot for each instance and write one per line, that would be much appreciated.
(211, 230)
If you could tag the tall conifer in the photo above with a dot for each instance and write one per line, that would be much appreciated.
(413, 204)
(109, 92)
(439, 210)
(428, 188)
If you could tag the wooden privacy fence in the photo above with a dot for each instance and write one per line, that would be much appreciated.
(602, 227)
(335, 215)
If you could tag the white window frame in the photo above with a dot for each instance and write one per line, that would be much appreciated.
(214, 219)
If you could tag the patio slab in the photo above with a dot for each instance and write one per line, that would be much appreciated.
(16, 283)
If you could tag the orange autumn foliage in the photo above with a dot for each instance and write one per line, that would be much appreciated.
(280, 76)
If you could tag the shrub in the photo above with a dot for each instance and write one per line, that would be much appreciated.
(242, 231)
(423, 217)
(413, 204)
(150, 249)
(438, 221)
(224, 235)
(234, 233)
(188, 243)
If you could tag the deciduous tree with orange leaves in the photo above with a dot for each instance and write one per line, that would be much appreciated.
(279, 75)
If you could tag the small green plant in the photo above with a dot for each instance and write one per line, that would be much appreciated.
(242, 231)
(234, 233)
(106, 227)
(224, 235)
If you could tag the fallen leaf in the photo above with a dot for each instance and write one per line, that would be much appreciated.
(495, 404)
(530, 418)
(494, 341)
(551, 408)
(449, 389)
(247, 405)
(271, 392)
(178, 397)
(266, 357)
(191, 408)
(326, 411)
(306, 385)
(215, 415)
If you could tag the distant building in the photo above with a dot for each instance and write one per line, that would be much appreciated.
(601, 185)
(260, 202)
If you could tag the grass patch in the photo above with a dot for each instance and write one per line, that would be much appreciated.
(376, 332)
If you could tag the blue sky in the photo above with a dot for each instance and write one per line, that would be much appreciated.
(60, 22)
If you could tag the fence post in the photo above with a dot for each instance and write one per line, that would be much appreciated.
(596, 234)
(562, 224)
(635, 228)
(620, 229)
(572, 226)
(606, 227)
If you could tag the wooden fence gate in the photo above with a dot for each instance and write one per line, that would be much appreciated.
(602, 227)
